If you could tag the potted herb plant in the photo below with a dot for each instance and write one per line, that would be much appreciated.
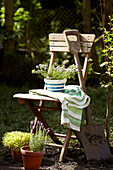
(55, 78)
(15, 140)
(32, 155)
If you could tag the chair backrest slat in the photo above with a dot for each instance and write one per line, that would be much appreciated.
(58, 43)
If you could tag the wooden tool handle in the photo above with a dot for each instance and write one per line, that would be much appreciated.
(83, 87)
(73, 40)
(74, 47)
(80, 75)
(71, 32)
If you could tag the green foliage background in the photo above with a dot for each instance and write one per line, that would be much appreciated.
(33, 21)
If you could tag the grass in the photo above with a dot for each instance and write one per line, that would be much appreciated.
(98, 107)
(15, 116)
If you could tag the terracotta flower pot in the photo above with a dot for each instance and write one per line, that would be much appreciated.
(31, 160)
(17, 156)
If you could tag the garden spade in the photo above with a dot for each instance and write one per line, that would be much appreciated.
(92, 135)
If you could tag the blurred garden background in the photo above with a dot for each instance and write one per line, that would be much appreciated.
(24, 30)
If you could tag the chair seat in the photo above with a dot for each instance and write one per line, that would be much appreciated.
(34, 97)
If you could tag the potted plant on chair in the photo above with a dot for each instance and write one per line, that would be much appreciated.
(55, 78)
(32, 155)
(15, 140)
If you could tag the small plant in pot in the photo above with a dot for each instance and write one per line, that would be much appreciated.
(55, 77)
(33, 154)
(15, 140)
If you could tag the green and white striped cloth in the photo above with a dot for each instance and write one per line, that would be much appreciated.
(73, 101)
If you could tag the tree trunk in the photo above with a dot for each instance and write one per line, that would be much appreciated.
(86, 16)
(107, 12)
(9, 36)
(108, 112)
(87, 29)
(28, 24)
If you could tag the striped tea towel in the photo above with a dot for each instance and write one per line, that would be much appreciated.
(73, 101)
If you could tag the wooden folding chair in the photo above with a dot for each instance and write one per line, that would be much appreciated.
(58, 44)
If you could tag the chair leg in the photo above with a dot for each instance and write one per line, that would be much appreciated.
(40, 117)
(65, 145)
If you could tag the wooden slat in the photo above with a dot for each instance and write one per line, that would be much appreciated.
(28, 96)
(58, 44)
(64, 44)
(65, 49)
(46, 108)
(54, 145)
(87, 37)
(64, 136)
(86, 44)
(56, 37)
(60, 37)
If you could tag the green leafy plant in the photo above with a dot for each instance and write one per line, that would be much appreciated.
(107, 63)
(56, 72)
(20, 16)
(107, 70)
(39, 138)
(2, 16)
(16, 139)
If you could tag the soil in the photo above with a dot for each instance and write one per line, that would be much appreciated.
(75, 159)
